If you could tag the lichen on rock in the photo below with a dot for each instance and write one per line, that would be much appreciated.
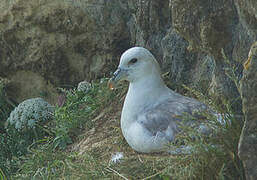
(62, 41)
(248, 140)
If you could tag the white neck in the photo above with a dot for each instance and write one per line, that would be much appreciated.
(142, 93)
(146, 88)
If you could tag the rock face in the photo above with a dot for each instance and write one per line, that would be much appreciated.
(58, 43)
(248, 139)
(209, 26)
(47, 43)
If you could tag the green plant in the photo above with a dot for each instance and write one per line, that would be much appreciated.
(217, 155)
(78, 110)
(2, 175)
(7, 165)
(22, 128)
(214, 156)
(6, 106)
(11, 148)
(14, 144)
(29, 114)
(232, 71)
(46, 163)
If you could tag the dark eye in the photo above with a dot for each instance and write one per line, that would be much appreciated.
(133, 61)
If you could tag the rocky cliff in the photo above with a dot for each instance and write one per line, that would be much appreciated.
(46, 43)
(248, 139)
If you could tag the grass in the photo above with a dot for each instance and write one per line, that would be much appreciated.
(86, 133)
(7, 143)
(6, 106)
(79, 109)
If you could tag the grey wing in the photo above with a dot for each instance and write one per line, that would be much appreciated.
(163, 118)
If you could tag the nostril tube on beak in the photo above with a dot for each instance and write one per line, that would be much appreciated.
(111, 82)
(116, 73)
(119, 75)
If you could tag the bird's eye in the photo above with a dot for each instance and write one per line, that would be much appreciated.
(133, 61)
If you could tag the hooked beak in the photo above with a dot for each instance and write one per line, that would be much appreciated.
(119, 75)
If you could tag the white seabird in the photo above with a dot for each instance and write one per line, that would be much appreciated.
(150, 112)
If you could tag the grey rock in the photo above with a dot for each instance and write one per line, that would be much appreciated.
(209, 27)
(60, 42)
(149, 23)
(247, 11)
(248, 140)
(64, 42)
(177, 60)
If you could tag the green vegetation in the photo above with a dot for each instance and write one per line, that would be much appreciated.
(6, 106)
(7, 144)
(69, 120)
(215, 156)
(85, 132)
(79, 109)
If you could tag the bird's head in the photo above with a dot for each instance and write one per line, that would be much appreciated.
(135, 63)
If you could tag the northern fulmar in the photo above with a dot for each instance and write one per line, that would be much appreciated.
(150, 114)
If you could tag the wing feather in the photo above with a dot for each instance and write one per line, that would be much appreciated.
(165, 115)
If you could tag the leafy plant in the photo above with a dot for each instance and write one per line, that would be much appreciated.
(216, 155)
(56, 164)
(30, 113)
(19, 129)
(13, 145)
(78, 110)
(7, 165)
(6, 106)
(211, 157)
